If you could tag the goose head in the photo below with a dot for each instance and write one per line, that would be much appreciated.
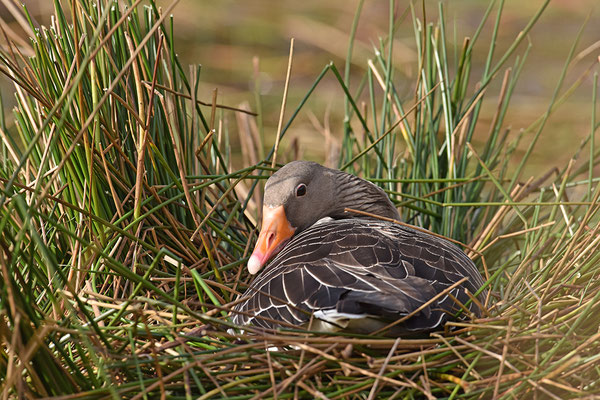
(303, 192)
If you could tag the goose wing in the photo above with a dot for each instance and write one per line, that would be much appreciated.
(356, 271)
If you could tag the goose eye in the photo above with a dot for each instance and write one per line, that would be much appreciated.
(300, 190)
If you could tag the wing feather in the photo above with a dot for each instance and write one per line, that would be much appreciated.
(361, 267)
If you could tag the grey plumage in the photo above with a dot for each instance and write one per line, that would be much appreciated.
(352, 272)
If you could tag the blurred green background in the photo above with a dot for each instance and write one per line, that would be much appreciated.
(243, 49)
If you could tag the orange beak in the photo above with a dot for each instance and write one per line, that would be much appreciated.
(274, 234)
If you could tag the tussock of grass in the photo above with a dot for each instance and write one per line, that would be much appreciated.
(124, 227)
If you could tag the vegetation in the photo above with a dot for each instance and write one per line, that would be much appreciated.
(125, 227)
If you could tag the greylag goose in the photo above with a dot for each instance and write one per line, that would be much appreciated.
(335, 270)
